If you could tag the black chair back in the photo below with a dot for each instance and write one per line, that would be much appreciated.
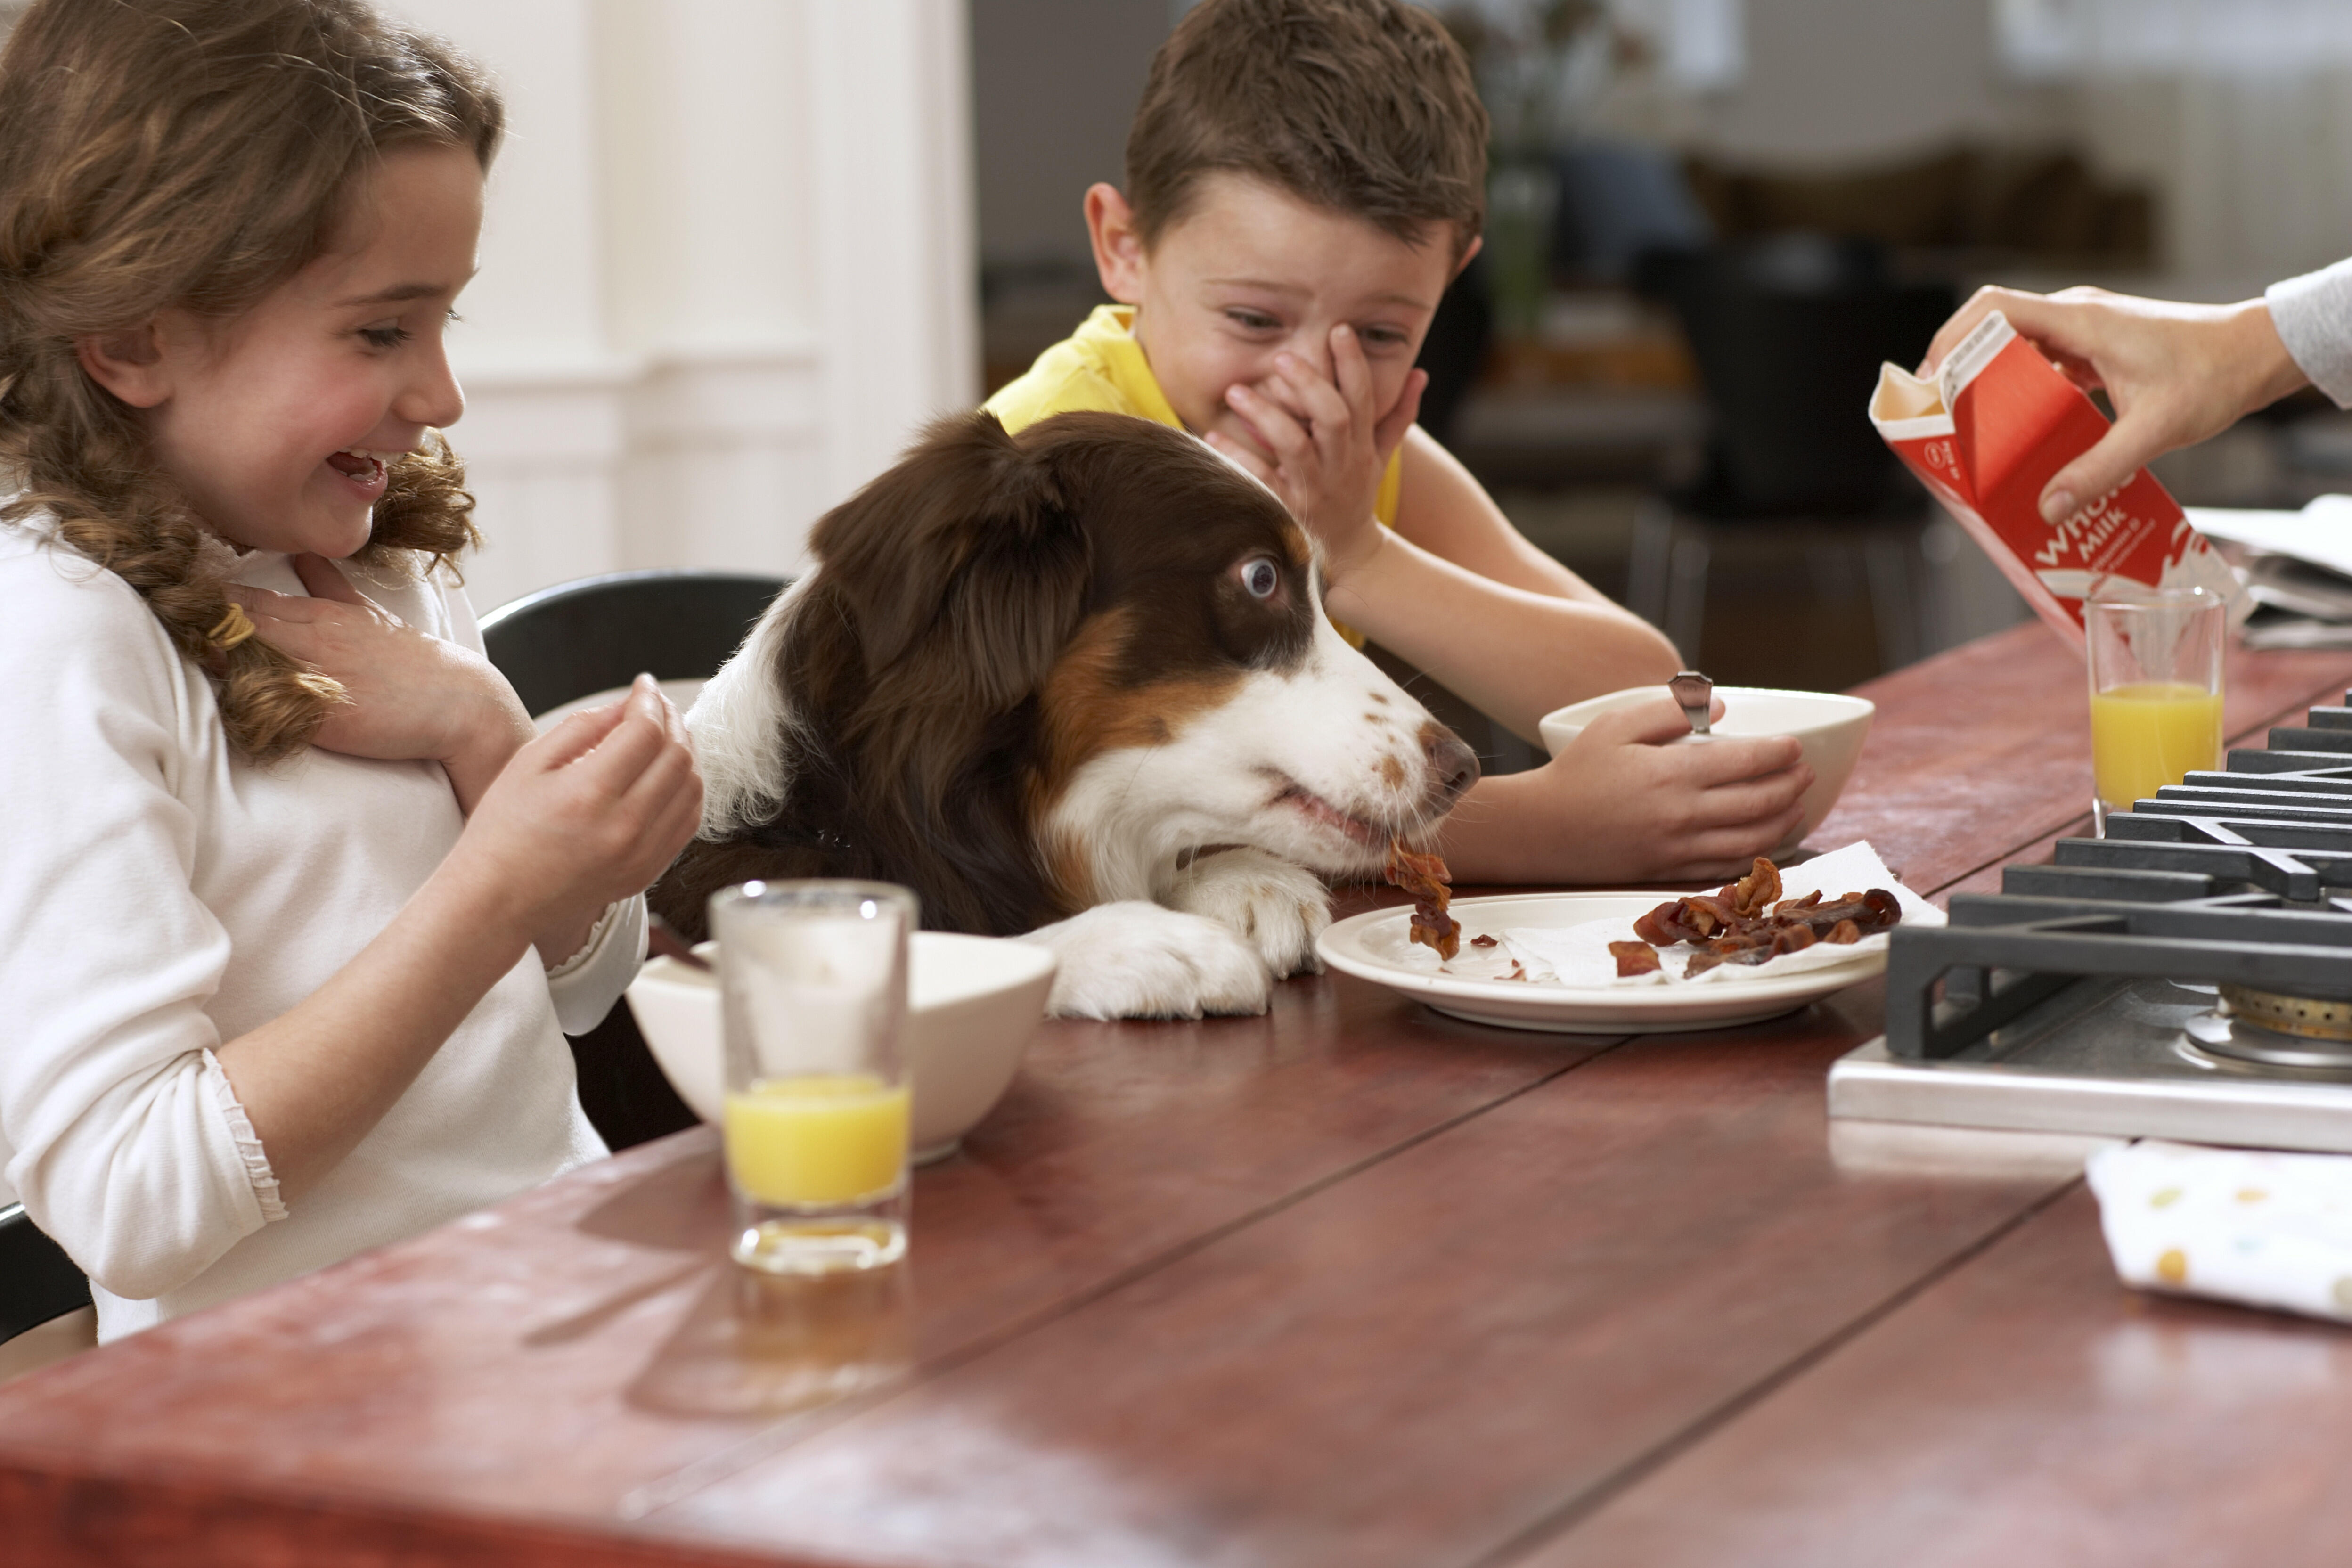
(579, 639)
(38, 1280)
(1788, 336)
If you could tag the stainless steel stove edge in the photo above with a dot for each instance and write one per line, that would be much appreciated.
(1870, 1083)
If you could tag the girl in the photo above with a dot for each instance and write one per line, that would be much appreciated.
(292, 907)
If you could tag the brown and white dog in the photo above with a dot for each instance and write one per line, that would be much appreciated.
(1075, 684)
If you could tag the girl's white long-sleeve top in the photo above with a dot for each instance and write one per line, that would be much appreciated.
(159, 894)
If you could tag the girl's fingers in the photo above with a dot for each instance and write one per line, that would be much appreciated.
(288, 608)
(631, 745)
(576, 736)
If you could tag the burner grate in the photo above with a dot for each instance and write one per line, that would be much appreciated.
(2240, 878)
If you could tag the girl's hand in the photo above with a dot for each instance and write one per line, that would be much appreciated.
(1326, 445)
(2176, 373)
(1648, 811)
(414, 696)
(590, 811)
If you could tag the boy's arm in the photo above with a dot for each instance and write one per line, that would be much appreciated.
(1457, 591)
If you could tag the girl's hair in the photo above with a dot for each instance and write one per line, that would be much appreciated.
(194, 155)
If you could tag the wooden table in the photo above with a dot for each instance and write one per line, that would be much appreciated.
(1348, 1284)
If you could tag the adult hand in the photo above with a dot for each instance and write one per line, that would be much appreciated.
(590, 811)
(1648, 811)
(1325, 445)
(2176, 373)
(413, 695)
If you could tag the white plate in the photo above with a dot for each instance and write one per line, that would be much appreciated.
(1374, 947)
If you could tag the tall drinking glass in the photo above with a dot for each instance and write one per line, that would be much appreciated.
(813, 977)
(2156, 692)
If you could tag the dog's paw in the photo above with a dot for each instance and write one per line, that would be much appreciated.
(1278, 907)
(1136, 960)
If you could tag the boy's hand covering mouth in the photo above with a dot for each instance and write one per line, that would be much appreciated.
(1326, 446)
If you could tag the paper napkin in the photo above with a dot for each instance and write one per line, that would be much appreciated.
(1578, 955)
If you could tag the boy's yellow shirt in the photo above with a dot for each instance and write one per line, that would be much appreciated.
(1101, 367)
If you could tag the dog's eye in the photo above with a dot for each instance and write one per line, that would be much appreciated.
(1260, 578)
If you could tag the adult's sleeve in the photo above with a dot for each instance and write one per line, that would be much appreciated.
(124, 1139)
(2313, 314)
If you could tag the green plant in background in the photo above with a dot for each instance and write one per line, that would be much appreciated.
(1540, 65)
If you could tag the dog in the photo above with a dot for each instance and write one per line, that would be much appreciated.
(1075, 685)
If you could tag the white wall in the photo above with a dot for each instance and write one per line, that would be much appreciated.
(728, 272)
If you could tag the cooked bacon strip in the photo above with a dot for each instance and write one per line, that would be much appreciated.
(1634, 958)
(1761, 886)
(1430, 883)
(1483, 942)
(1748, 923)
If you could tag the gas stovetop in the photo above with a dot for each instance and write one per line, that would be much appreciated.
(2188, 976)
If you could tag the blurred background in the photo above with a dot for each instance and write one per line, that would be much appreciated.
(739, 250)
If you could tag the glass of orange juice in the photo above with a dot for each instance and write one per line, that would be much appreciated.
(2156, 692)
(812, 983)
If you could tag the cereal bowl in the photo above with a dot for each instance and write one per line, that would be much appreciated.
(1830, 726)
(974, 1003)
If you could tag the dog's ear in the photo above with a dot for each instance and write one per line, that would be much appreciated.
(968, 541)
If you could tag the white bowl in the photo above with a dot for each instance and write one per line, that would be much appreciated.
(973, 1005)
(1828, 725)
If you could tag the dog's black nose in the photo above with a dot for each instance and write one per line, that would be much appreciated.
(1453, 766)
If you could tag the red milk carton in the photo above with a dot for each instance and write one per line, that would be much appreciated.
(1989, 431)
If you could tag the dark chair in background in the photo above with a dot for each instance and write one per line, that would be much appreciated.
(575, 640)
(1788, 335)
(38, 1280)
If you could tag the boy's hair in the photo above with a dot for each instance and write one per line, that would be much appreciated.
(1366, 107)
(194, 155)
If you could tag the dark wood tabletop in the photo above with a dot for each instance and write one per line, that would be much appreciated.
(1350, 1284)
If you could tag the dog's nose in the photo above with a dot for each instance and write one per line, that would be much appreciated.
(1453, 766)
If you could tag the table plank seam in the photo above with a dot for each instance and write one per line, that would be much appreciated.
(1591, 1498)
(646, 1500)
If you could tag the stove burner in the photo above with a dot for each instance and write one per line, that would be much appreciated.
(2306, 1016)
(2242, 1040)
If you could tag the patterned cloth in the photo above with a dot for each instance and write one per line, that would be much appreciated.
(2243, 1225)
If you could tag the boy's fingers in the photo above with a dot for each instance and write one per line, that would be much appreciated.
(1241, 454)
(1390, 433)
(1351, 370)
(1650, 723)
(1744, 758)
(1283, 435)
(1323, 405)
(1751, 800)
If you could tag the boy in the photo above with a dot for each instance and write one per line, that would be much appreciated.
(1303, 179)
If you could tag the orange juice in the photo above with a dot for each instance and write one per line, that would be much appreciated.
(806, 1142)
(2150, 735)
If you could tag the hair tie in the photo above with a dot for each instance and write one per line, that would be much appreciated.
(234, 627)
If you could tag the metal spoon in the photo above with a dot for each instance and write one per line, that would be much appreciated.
(1694, 693)
(662, 942)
